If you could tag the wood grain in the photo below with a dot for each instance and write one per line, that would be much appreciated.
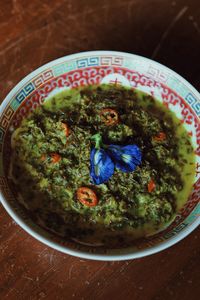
(35, 32)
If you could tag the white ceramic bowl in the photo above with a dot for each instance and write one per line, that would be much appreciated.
(92, 68)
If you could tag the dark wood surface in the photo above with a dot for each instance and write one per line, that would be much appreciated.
(35, 32)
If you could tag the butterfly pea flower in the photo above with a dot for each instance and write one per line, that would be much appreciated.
(105, 158)
(126, 158)
(101, 166)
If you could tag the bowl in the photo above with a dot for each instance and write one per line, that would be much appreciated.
(95, 67)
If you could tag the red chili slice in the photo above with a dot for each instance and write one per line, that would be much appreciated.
(151, 186)
(66, 129)
(109, 116)
(160, 137)
(87, 196)
(55, 157)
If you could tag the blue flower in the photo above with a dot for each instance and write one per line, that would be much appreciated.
(126, 158)
(101, 166)
(104, 159)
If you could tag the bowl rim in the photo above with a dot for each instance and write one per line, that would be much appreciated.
(80, 253)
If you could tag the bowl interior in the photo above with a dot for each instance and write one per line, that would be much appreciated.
(96, 68)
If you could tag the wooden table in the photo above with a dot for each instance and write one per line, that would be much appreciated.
(35, 32)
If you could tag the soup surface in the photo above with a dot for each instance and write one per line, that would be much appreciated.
(100, 162)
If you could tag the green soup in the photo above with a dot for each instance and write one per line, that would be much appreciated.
(51, 165)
